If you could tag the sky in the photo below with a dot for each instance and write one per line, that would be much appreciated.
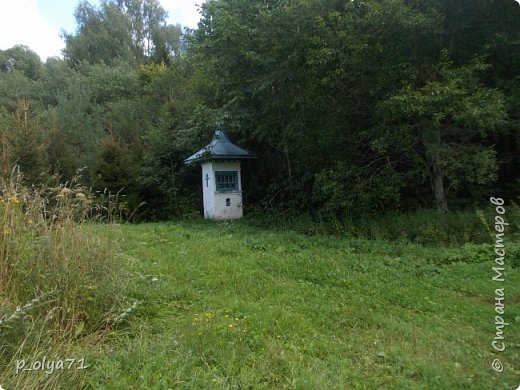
(38, 23)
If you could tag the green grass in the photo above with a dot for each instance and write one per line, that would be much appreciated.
(231, 306)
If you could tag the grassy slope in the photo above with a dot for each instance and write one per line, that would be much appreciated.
(238, 307)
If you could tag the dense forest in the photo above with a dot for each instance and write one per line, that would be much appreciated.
(353, 107)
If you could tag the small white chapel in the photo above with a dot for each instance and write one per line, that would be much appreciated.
(221, 179)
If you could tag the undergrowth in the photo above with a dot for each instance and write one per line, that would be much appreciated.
(425, 226)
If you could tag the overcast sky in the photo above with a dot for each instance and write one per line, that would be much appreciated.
(37, 23)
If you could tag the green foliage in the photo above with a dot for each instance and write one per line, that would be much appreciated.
(455, 109)
(22, 59)
(56, 77)
(311, 85)
(22, 138)
(15, 85)
(60, 157)
(103, 35)
(353, 107)
(132, 31)
(347, 190)
(80, 120)
(110, 83)
(168, 192)
(114, 172)
(468, 164)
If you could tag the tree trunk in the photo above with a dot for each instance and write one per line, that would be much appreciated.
(438, 188)
(432, 143)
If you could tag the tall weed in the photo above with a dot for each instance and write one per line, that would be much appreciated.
(60, 272)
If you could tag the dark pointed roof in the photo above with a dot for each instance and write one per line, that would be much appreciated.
(221, 148)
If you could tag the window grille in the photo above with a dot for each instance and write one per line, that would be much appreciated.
(227, 181)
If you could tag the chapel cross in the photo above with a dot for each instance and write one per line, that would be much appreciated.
(207, 179)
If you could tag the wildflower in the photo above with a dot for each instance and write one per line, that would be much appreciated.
(214, 380)
(236, 318)
(30, 221)
(230, 326)
(13, 200)
(227, 316)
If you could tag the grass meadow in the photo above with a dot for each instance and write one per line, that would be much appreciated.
(242, 305)
(233, 306)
